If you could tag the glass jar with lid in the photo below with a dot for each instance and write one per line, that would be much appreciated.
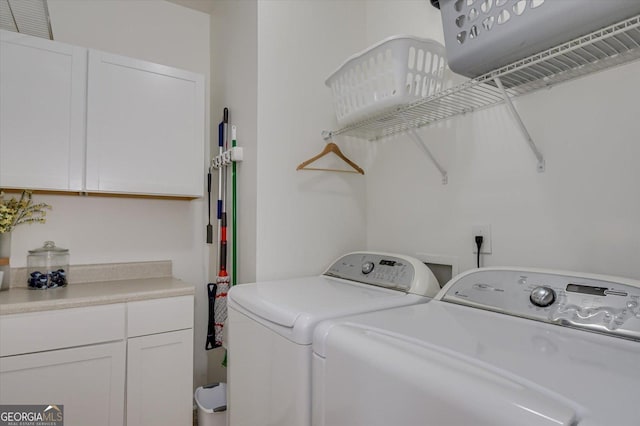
(48, 267)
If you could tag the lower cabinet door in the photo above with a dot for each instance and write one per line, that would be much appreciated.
(160, 379)
(88, 381)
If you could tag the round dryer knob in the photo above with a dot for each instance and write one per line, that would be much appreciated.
(367, 267)
(542, 296)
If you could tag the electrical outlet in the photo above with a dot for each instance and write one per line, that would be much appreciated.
(485, 231)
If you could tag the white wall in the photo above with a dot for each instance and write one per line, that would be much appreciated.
(99, 230)
(581, 214)
(305, 219)
(392, 17)
(234, 62)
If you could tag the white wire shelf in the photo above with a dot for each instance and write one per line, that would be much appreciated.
(614, 45)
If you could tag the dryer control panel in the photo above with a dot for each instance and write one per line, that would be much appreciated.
(392, 271)
(597, 303)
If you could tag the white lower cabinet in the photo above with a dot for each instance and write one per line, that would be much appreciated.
(72, 357)
(160, 362)
(112, 365)
(88, 381)
(159, 379)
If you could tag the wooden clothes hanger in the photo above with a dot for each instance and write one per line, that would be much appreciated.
(331, 147)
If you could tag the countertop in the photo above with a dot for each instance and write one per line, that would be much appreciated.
(21, 300)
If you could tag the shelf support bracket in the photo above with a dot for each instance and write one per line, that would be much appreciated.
(523, 129)
(418, 141)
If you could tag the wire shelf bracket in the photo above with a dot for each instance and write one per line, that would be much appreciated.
(421, 144)
(521, 126)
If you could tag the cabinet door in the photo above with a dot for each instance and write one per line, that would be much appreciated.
(89, 381)
(160, 379)
(42, 113)
(145, 127)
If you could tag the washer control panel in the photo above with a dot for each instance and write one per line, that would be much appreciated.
(604, 304)
(392, 271)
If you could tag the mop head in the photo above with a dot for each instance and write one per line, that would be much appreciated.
(220, 307)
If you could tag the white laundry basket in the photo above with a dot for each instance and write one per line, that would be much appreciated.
(398, 70)
(483, 35)
(212, 404)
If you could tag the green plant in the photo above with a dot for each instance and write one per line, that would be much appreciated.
(14, 212)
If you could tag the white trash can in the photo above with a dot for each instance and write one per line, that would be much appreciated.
(212, 404)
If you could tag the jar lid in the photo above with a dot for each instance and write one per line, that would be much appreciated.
(48, 247)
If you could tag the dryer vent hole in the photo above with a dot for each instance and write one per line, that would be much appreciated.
(442, 272)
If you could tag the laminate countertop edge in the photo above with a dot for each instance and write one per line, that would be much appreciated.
(24, 300)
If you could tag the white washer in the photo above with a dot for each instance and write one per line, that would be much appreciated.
(496, 347)
(271, 324)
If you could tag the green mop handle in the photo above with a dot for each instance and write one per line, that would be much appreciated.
(234, 214)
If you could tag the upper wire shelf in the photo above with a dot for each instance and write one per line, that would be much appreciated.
(605, 48)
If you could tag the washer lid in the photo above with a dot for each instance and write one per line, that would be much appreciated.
(594, 375)
(293, 307)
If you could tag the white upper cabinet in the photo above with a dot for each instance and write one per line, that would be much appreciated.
(42, 113)
(145, 127)
(73, 119)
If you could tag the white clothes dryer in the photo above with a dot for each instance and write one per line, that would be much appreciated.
(496, 347)
(270, 329)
